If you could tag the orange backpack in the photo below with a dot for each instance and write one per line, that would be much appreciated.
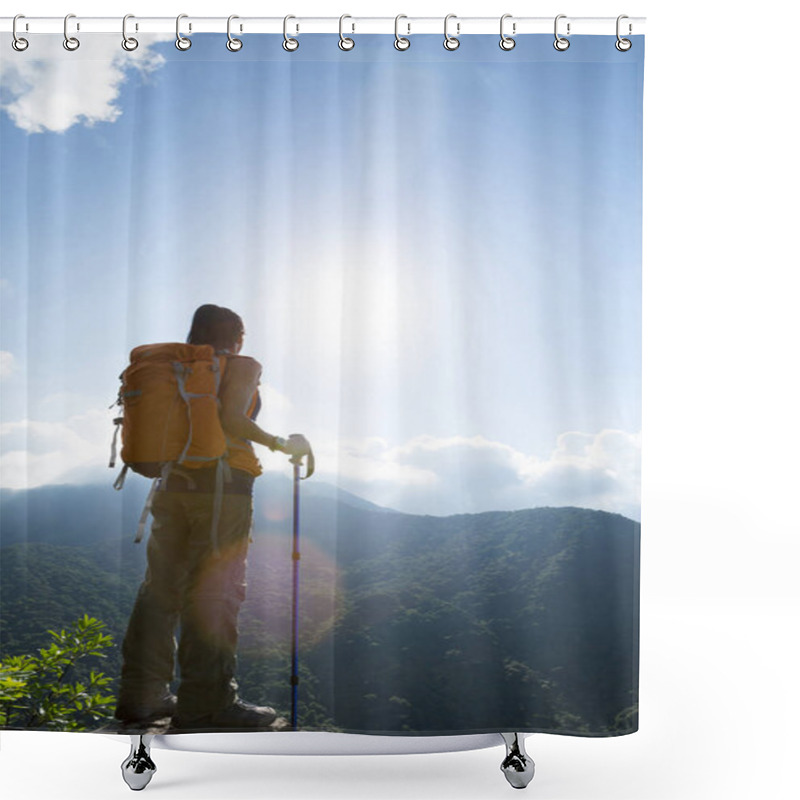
(170, 416)
(170, 408)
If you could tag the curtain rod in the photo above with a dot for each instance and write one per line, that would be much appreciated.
(298, 25)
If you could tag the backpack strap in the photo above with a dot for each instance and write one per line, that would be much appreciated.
(148, 505)
(112, 461)
(180, 378)
(222, 477)
(120, 481)
(181, 381)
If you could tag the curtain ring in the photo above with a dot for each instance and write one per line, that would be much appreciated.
(70, 42)
(345, 43)
(18, 43)
(506, 42)
(400, 42)
(450, 42)
(233, 44)
(561, 44)
(181, 42)
(289, 44)
(128, 42)
(623, 45)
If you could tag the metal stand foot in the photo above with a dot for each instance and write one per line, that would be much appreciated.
(138, 768)
(518, 766)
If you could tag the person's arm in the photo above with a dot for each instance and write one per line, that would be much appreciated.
(242, 375)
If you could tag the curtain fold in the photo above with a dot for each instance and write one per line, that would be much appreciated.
(436, 259)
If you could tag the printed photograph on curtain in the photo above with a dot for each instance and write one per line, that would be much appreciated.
(359, 333)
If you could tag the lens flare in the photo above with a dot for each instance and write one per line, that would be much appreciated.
(267, 613)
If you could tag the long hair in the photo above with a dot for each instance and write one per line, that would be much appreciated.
(220, 327)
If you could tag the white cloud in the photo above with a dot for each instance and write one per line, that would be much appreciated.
(459, 474)
(36, 453)
(371, 461)
(7, 363)
(426, 475)
(46, 88)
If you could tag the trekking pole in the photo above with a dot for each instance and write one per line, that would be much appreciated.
(296, 461)
(295, 678)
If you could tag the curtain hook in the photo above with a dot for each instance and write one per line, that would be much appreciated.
(18, 43)
(233, 44)
(506, 42)
(70, 42)
(181, 42)
(400, 42)
(623, 45)
(128, 42)
(450, 42)
(561, 44)
(289, 44)
(345, 43)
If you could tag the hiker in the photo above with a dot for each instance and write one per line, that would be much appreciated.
(196, 560)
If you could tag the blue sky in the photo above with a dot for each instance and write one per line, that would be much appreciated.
(436, 255)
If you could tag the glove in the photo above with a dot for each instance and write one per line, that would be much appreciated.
(297, 446)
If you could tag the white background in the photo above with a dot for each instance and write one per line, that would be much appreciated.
(720, 707)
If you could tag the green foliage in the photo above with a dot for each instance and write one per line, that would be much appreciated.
(515, 620)
(47, 586)
(53, 690)
(627, 720)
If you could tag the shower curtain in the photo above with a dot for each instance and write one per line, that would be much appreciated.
(435, 255)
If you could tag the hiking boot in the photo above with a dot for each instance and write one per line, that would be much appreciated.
(237, 716)
(147, 709)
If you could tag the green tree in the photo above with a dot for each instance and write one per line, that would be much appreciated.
(57, 690)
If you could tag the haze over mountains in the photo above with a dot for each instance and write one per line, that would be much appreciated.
(500, 620)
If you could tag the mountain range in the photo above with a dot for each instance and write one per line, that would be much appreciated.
(507, 620)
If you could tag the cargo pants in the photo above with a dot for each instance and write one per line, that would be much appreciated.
(190, 587)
